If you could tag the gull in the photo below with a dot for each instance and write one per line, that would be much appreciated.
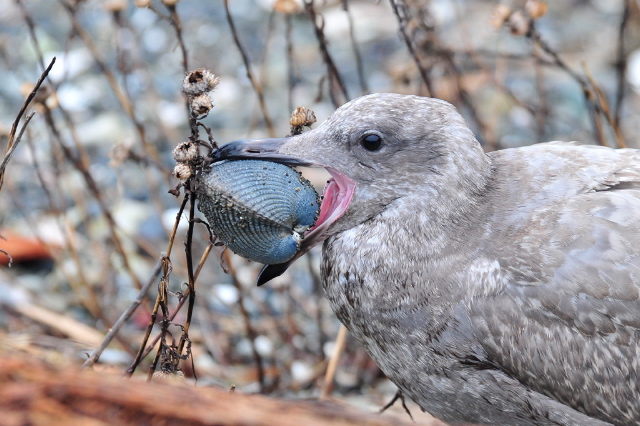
(498, 288)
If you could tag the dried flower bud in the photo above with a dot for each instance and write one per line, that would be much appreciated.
(199, 81)
(286, 6)
(182, 171)
(536, 8)
(500, 15)
(518, 23)
(142, 3)
(201, 105)
(302, 116)
(170, 3)
(185, 152)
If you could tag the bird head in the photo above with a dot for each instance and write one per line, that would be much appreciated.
(378, 148)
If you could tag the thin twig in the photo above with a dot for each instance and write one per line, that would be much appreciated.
(402, 23)
(166, 271)
(332, 69)
(621, 64)
(14, 127)
(176, 23)
(604, 108)
(356, 51)
(14, 145)
(251, 333)
(333, 362)
(192, 286)
(247, 65)
(291, 82)
(317, 291)
(124, 317)
(149, 348)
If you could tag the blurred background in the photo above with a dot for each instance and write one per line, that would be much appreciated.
(85, 211)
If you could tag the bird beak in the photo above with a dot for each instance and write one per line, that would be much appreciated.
(259, 149)
(337, 194)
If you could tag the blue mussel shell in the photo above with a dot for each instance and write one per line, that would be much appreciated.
(258, 209)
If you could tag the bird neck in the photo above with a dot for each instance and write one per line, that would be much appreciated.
(396, 268)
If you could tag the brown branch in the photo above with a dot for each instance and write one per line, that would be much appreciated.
(333, 362)
(399, 8)
(13, 141)
(123, 318)
(251, 333)
(290, 64)
(166, 271)
(603, 107)
(190, 274)
(332, 70)
(621, 64)
(247, 65)
(356, 51)
(176, 23)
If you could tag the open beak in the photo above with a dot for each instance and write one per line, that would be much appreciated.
(336, 196)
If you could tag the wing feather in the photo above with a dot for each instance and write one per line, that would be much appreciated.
(566, 321)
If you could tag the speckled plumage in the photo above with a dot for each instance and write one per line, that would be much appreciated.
(500, 288)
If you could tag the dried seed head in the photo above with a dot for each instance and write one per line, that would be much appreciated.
(199, 81)
(185, 152)
(201, 105)
(182, 171)
(518, 23)
(142, 3)
(287, 7)
(536, 8)
(500, 15)
(302, 116)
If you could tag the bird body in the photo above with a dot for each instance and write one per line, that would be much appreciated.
(499, 288)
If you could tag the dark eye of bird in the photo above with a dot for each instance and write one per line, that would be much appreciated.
(371, 142)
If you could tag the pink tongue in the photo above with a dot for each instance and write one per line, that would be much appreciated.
(329, 196)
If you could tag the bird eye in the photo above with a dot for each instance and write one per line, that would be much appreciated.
(371, 142)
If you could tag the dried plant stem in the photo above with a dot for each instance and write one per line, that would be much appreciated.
(290, 62)
(542, 113)
(333, 362)
(317, 291)
(601, 101)
(621, 64)
(13, 140)
(251, 333)
(164, 279)
(124, 317)
(97, 194)
(596, 101)
(120, 95)
(176, 23)
(399, 8)
(78, 280)
(190, 274)
(332, 70)
(356, 51)
(247, 65)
